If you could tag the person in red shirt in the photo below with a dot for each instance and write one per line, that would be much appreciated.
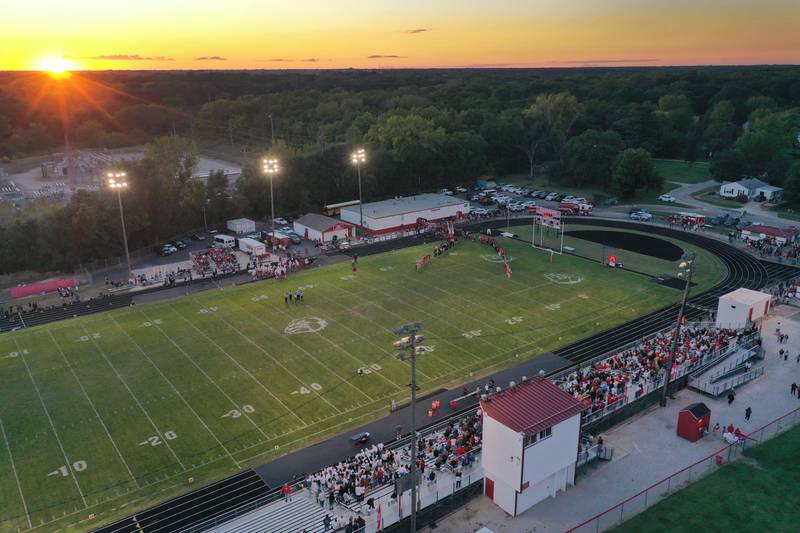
(287, 492)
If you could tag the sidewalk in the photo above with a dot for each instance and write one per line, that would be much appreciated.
(646, 448)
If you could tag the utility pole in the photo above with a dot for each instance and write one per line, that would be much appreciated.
(272, 131)
(685, 270)
(411, 341)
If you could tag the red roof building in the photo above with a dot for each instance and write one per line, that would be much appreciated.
(760, 231)
(531, 432)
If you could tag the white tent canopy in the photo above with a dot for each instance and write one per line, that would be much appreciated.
(241, 225)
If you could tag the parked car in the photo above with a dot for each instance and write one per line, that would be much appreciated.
(643, 216)
(719, 219)
(529, 204)
(198, 236)
(732, 221)
(480, 211)
(551, 196)
(567, 198)
(166, 249)
(179, 244)
(667, 198)
(448, 192)
(461, 189)
(295, 238)
(516, 208)
(281, 221)
(256, 236)
(633, 209)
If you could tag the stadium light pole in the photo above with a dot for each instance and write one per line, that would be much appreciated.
(358, 157)
(118, 181)
(685, 271)
(411, 341)
(271, 167)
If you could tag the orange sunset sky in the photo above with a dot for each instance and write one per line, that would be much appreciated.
(266, 34)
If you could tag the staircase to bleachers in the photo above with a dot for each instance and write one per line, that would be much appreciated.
(725, 373)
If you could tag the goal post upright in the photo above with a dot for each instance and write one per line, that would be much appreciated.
(547, 218)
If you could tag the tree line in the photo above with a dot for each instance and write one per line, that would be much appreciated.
(422, 130)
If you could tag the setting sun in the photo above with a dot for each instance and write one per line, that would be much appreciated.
(55, 66)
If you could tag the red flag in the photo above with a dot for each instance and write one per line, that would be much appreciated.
(507, 268)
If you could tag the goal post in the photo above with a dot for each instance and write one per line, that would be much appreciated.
(547, 222)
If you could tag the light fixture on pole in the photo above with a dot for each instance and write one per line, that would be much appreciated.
(358, 157)
(118, 181)
(411, 341)
(685, 271)
(271, 167)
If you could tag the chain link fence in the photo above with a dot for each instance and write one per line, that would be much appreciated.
(653, 494)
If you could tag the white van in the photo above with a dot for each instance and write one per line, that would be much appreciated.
(224, 241)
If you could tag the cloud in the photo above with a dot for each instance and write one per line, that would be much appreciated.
(607, 61)
(285, 60)
(122, 57)
(417, 30)
(384, 56)
(210, 58)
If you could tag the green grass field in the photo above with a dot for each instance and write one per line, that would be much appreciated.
(106, 414)
(708, 273)
(761, 493)
(683, 171)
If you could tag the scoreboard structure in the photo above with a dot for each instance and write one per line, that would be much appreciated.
(547, 223)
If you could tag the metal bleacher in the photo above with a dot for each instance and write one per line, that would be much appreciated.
(726, 373)
(301, 514)
(45, 316)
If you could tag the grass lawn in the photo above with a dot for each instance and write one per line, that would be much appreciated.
(708, 273)
(710, 195)
(760, 493)
(682, 171)
(109, 413)
(788, 214)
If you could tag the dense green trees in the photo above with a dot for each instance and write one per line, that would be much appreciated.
(634, 172)
(423, 129)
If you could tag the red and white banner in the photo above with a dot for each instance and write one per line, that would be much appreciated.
(422, 261)
(507, 268)
(548, 217)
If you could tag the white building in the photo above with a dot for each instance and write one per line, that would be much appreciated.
(399, 213)
(531, 433)
(736, 308)
(241, 225)
(321, 228)
(752, 188)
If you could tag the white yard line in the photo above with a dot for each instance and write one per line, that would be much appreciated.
(209, 378)
(68, 464)
(237, 363)
(354, 358)
(96, 413)
(135, 399)
(138, 347)
(365, 339)
(16, 477)
(457, 347)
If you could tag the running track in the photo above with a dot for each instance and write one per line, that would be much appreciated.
(743, 270)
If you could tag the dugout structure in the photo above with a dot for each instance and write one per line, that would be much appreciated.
(547, 223)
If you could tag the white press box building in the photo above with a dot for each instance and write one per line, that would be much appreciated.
(399, 213)
(736, 308)
(531, 433)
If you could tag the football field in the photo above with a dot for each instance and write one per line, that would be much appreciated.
(102, 415)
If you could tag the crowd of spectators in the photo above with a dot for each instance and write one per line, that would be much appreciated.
(771, 248)
(626, 375)
(350, 480)
(216, 261)
(270, 266)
